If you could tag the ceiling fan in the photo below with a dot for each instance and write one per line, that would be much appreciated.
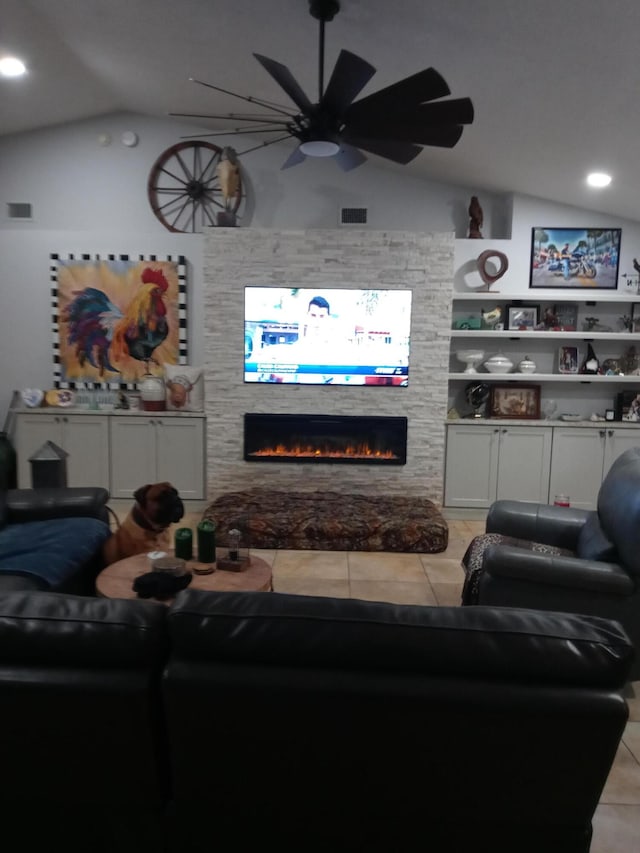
(394, 123)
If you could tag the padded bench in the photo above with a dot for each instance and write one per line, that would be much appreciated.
(329, 521)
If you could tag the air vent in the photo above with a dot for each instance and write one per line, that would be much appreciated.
(353, 216)
(19, 210)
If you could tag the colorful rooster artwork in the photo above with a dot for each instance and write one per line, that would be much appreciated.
(118, 319)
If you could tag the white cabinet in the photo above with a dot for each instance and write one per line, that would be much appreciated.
(151, 449)
(84, 437)
(486, 462)
(581, 458)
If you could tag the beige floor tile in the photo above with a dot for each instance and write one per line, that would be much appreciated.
(395, 592)
(633, 700)
(312, 586)
(330, 565)
(384, 566)
(447, 594)
(442, 570)
(616, 829)
(631, 739)
(623, 784)
(455, 549)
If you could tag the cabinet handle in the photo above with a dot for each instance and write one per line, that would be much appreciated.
(505, 430)
(65, 420)
(601, 432)
(496, 429)
(610, 433)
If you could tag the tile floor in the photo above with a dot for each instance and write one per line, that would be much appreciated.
(436, 579)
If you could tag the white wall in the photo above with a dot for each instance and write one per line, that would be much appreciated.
(91, 198)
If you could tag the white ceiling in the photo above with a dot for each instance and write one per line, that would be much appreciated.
(555, 83)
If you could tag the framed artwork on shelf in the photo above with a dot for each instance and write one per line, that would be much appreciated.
(566, 315)
(523, 318)
(628, 406)
(568, 359)
(521, 402)
(575, 258)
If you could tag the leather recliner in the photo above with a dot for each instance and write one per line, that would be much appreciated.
(563, 558)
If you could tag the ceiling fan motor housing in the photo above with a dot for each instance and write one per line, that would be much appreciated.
(324, 10)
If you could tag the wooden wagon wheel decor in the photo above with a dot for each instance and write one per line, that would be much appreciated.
(195, 185)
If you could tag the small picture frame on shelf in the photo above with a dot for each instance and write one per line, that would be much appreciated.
(627, 407)
(568, 360)
(522, 318)
(566, 316)
(517, 401)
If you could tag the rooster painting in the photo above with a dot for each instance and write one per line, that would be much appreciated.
(119, 321)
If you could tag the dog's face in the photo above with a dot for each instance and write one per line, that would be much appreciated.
(161, 503)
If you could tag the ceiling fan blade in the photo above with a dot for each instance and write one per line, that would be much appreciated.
(407, 131)
(424, 86)
(349, 158)
(293, 159)
(348, 78)
(285, 79)
(399, 152)
(454, 111)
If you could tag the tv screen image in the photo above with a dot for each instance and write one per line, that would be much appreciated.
(327, 336)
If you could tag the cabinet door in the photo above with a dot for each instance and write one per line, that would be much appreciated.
(577, 461)
(524, 463)
(180, 455)
(617, 441)
(133, 454)
(31, 432)
(86, 440)
(471, 466)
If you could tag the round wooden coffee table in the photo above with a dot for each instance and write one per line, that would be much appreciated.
(116, 581)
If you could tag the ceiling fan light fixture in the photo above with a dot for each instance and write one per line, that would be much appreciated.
(319, 148)
(598, 179)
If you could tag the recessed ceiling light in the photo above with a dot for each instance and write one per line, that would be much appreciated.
(598, 179)
(11, 66)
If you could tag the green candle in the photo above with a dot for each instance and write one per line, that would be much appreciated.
(184, 543)
(206, 541)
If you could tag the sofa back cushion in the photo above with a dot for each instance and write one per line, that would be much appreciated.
(619, 508)
(593, 544)
(477, 642)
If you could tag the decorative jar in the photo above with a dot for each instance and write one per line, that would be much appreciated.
(152, 393)
(527, 365)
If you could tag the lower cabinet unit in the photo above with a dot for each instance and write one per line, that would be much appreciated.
(84, 437)
(487, 462)
(153, 449)
(581, 458)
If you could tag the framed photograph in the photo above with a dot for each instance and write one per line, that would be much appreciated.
(568, 359)
(628, 406)
(566, 315)
(524, 318)
(521, 402)
(575, 258)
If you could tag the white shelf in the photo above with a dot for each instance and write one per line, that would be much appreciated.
(623, 337)
(545, 377)
(580, 295)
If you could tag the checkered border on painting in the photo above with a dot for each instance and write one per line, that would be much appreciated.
(55, 321)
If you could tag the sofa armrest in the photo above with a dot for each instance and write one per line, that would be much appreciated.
(507, 561)
(550, 525)
(24, 505)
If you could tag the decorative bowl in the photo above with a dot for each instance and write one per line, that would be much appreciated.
(498, 364)
(471, 357)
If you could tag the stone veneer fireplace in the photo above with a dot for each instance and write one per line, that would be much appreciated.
(235, 257)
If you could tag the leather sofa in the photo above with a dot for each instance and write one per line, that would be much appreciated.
(51, 538)
(563, 558)
(250, 720)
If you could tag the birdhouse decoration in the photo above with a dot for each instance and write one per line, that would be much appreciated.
(49, 467)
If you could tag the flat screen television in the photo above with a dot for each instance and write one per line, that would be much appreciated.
(327, 336)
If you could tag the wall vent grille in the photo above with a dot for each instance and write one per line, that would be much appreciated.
(353, 215)
(19, 210)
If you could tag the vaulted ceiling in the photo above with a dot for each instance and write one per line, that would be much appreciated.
(555, 85)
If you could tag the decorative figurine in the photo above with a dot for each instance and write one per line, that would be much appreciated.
(476, 219)
(483, 259)
(228, 172)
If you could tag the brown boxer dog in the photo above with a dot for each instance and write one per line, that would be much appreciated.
(146, 527)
